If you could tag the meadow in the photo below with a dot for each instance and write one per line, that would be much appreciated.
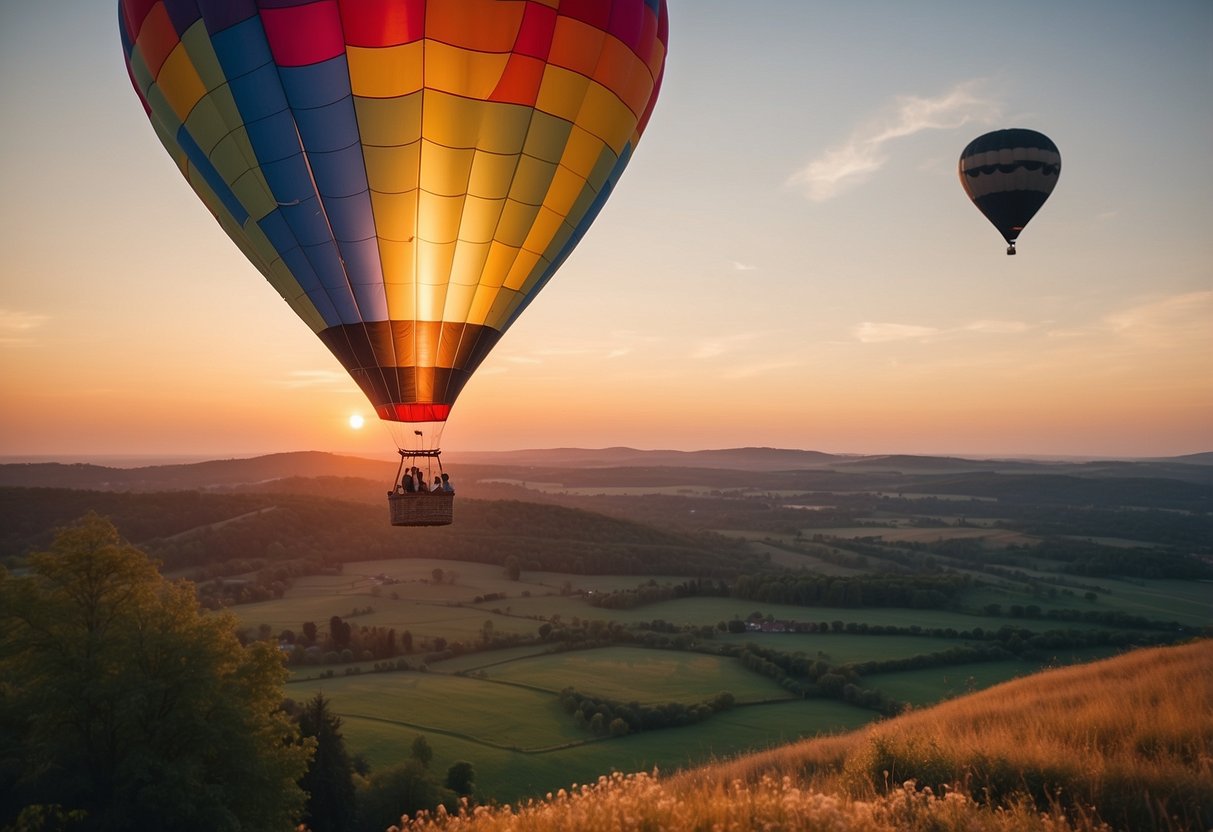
(1052, 753)
(499, 708)
(523, 744)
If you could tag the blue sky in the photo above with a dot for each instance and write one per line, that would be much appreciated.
(790, 257)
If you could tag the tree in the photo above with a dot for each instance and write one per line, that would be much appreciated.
(329, 779)
(513, 569)
(401, 789)
(421, 751)
(122, 701)
(460, 778)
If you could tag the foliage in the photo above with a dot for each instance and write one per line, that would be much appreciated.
(603, 716)
(329, 779)
(123, 701)
(421, 751)
(401, 789)
(460, 778)
(224, 534)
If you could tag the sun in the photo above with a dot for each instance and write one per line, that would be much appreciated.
(356, 421)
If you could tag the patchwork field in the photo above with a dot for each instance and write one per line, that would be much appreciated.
(636, 674)
(523, 743)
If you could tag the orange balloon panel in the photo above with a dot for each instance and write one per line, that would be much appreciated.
(407, 174)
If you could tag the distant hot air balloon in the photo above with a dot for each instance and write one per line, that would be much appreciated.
(1009, 174)
(408, 174)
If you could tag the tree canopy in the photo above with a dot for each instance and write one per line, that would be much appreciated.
(123, 706)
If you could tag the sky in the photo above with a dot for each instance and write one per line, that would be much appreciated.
(788, 261)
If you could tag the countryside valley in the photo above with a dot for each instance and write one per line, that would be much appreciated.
(625, 611)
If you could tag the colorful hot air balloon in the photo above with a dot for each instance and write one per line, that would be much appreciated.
(1009, 174)
(408, 174)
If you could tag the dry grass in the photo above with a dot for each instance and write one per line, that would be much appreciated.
(1126, 742)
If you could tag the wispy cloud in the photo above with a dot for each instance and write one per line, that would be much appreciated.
(997, 327)
(870, 332)
(619, 343)
(315, 378)
(18, 327)
(743, 267)
(1171, 320)
(758, 369)
(851, 163)
(875, 332)
(723, 344)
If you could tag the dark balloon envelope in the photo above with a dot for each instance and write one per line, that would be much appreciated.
(407, 174)
(1009, 174)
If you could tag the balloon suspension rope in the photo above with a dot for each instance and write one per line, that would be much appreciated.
(434, 454)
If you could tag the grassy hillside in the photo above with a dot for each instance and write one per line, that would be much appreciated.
(192, 529)
(1125, 743)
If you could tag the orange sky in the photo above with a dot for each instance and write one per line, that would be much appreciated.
(788, 261)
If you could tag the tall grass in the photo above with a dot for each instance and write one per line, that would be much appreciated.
(1122, 744)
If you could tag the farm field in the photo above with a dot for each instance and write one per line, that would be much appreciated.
(900, 533)
(636, 674)
(927, 686)
(538, 747)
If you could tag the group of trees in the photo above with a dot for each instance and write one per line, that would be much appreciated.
(123, 705)
(606, 716)
(343, 795)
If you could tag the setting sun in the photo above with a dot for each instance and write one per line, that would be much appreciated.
(356, 421)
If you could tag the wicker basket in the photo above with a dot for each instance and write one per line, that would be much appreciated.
(421, 509)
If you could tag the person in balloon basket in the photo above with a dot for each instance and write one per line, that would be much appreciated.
(436, 488)
(420, 477)
(407, 483)
(447, 488)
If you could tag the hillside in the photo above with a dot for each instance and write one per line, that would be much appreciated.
(1127, 742)
(804, 469)
(252, 529)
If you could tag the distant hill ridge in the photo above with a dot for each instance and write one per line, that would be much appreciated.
(229, 473)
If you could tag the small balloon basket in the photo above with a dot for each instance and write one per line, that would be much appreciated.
(420, 508)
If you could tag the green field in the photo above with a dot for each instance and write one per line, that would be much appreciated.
(636, 674)
(500, 710)
(934, 684)
(522, 743)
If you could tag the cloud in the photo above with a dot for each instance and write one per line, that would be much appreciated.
(1167, 321)
(997, 327)
(315, 378)
(723, 345)
(870, 332)
(743, 267)
(843, 167)
(874, 332)
(17, 327)
(761, 368)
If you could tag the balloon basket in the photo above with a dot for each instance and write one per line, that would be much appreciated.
(421, 509)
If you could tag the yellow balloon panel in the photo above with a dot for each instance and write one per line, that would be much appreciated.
(479, 223)
(491, 175)
(386, 72)
(389, 122)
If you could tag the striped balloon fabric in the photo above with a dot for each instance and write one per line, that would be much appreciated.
(1009, 174)
(407, 174)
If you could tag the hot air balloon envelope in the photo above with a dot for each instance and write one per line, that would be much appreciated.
(1009, 174)
(407, 174)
